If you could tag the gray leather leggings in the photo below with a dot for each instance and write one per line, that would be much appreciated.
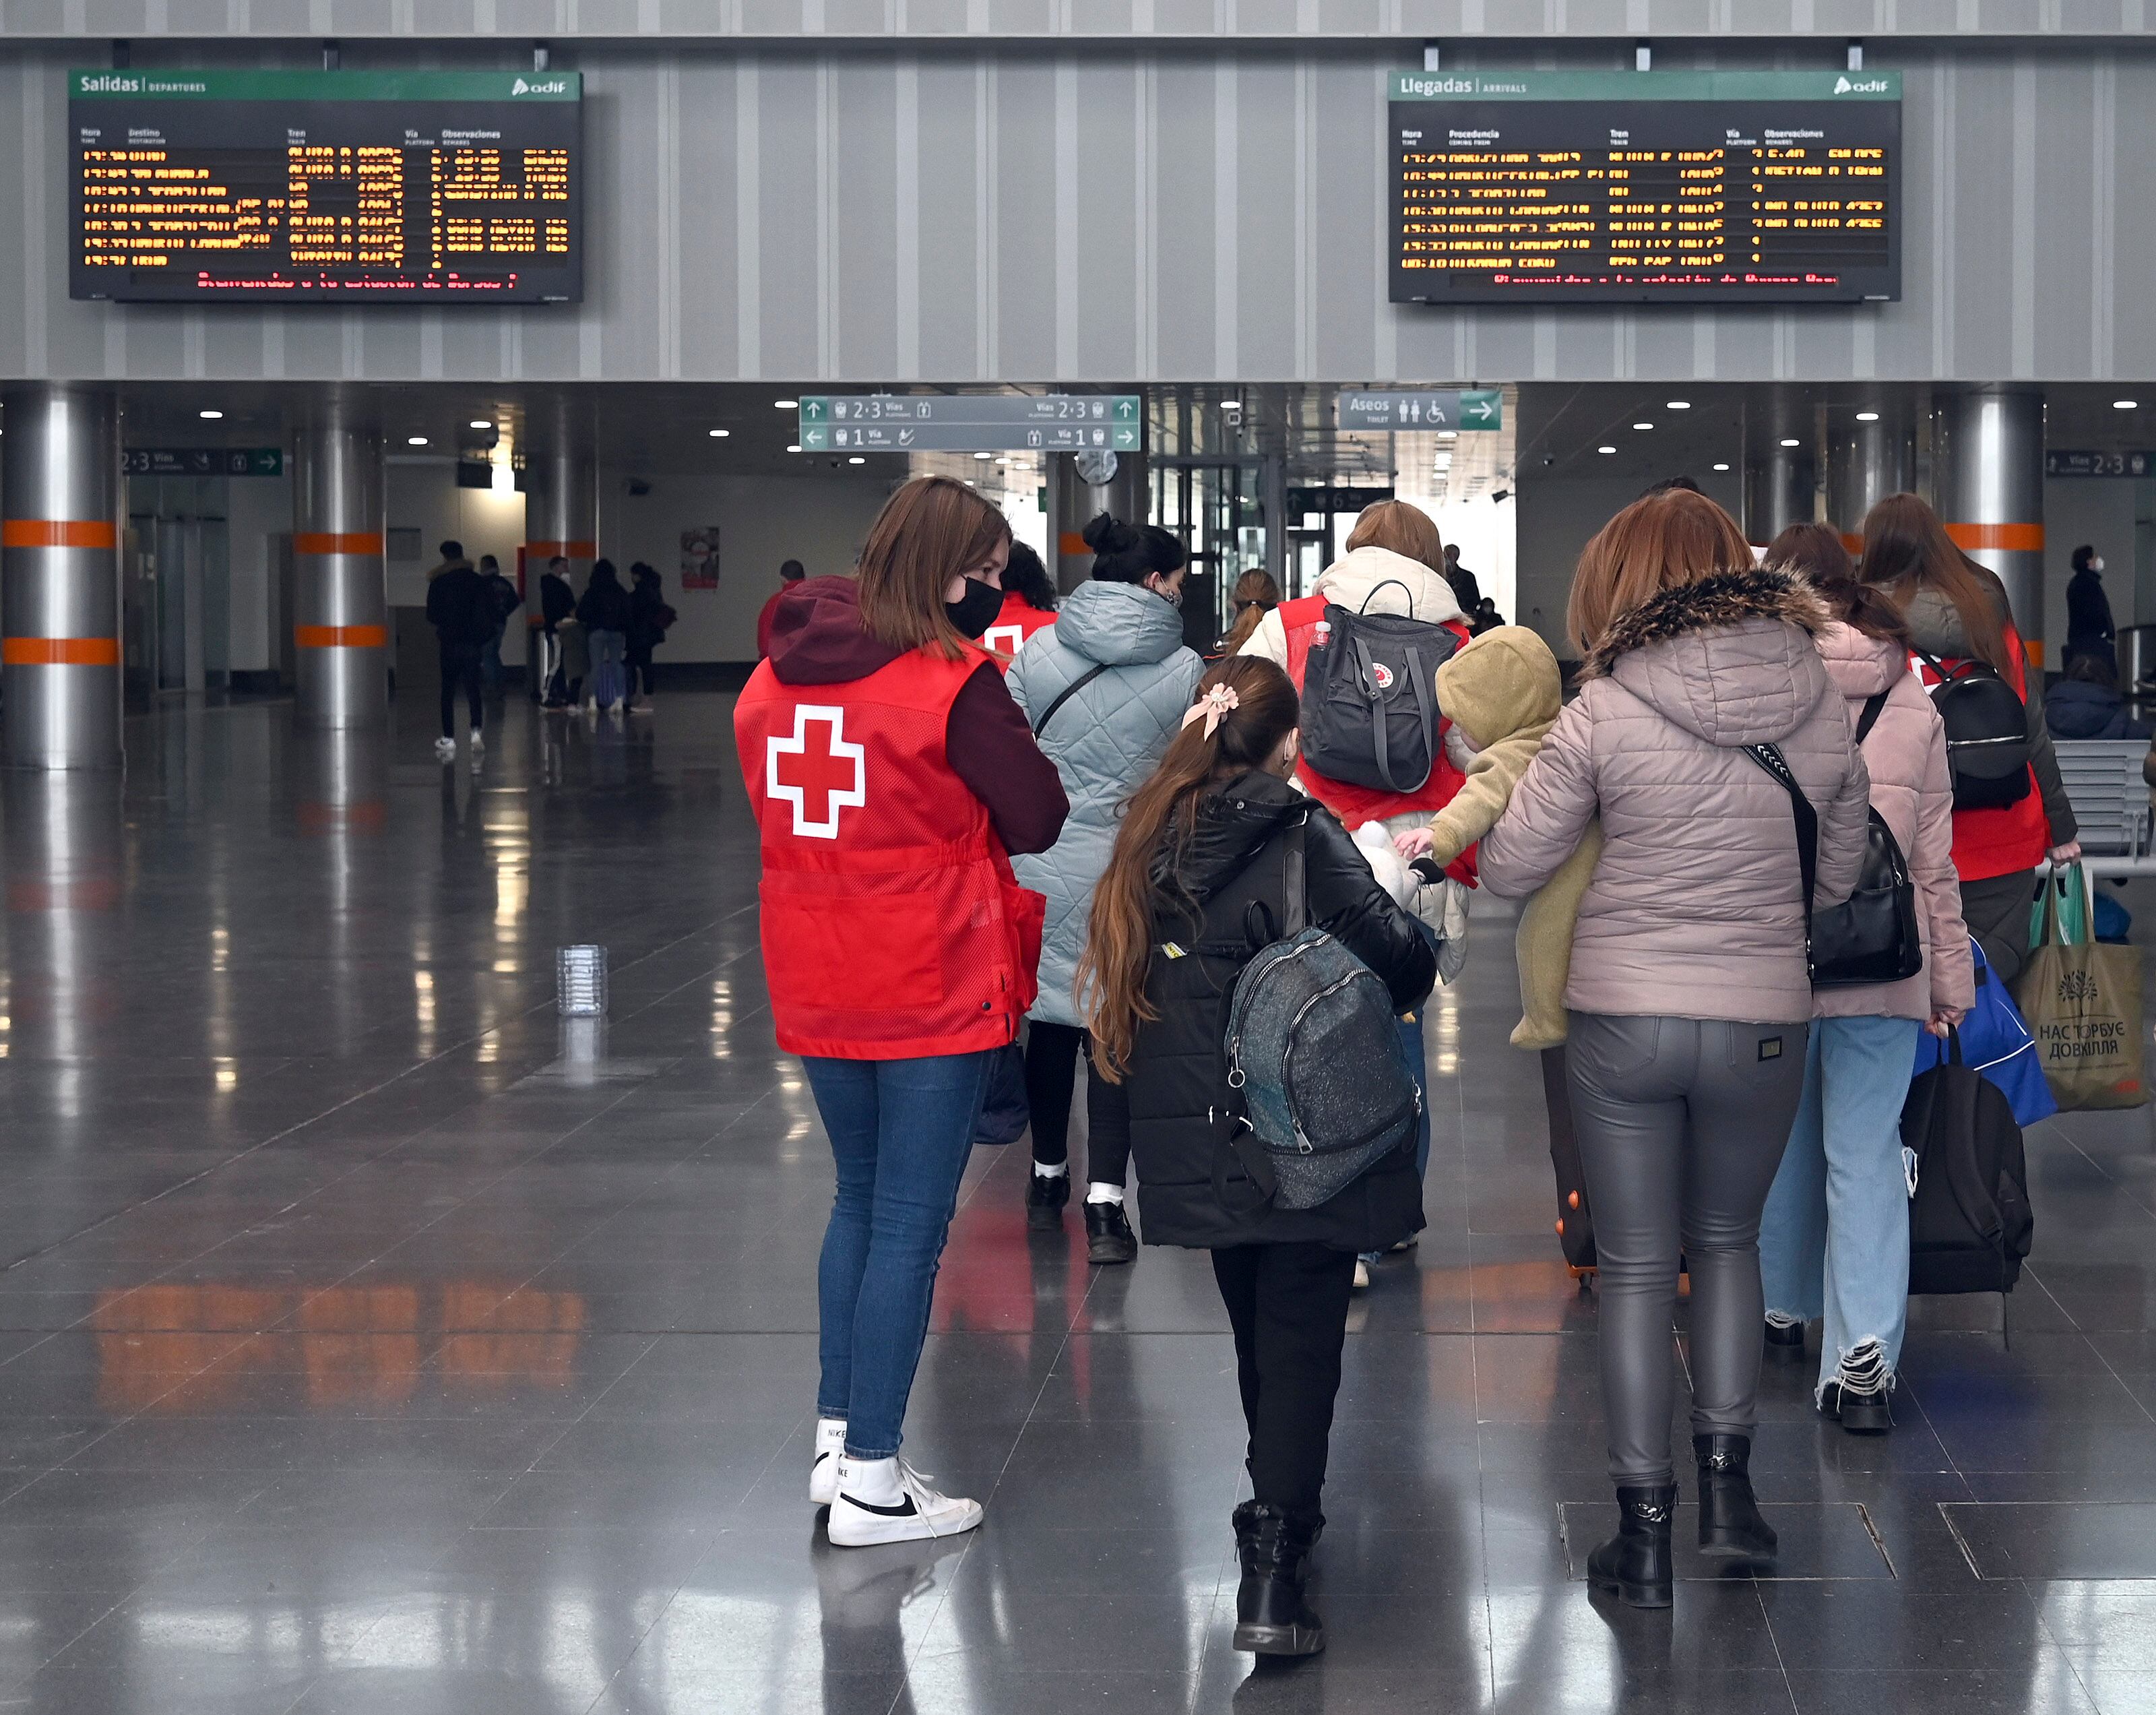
(1681, 1126)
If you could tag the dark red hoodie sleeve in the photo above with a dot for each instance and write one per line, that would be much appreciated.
(991, 748)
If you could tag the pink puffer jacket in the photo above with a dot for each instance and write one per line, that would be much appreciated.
(1695, 909)
(1905, 754)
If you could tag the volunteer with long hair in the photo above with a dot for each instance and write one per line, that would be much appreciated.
(890, 775)
(1199, 846)
(1395, 564)
(1834, 1238)
(1958, 614)
(1690, 993)
(1030, 604)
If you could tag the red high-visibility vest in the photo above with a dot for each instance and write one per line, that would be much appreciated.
(1017, 623)
(893, 927)
(1300, 620)
(2001, 842)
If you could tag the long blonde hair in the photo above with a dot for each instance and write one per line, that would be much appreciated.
(1111, 971)
(1256, 595)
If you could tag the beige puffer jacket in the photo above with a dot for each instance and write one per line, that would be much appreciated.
(1905, 754)
(1696, 908)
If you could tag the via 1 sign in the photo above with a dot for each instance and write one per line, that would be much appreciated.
(2059, 461)
(203, 461)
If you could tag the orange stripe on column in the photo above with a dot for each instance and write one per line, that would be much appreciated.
(58, 533)
(1852, 544)
(2019, 538)
(61, 651)
(566, 550)
(1071, 542)
(330, 541)
(341, 636)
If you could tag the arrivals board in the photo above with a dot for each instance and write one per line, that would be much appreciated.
(1685, 187)
(326, 186)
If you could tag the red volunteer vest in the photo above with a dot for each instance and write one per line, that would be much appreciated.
(2004, 842)
(1018, 621)
(1302, 620)
(893, 928)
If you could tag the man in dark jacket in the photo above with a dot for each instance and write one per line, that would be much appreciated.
(1465, 589)
(462, 610)
(2089, 628)
(790, 574)
(650, 619)
(507, 604)
(558, 602)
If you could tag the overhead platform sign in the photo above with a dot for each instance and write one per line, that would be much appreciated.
(1043, 422)
(1679, 187)
(345, 187)
(1452, 409)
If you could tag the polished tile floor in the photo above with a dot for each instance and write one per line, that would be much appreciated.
(370, 1341)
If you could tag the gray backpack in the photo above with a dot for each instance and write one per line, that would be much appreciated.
(1314, 1053)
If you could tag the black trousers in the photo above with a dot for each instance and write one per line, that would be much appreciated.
(637, 663)
(1051, 1073)
(460, 671)
(1288, 1304)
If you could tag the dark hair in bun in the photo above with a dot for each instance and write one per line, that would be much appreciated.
(1130, 553)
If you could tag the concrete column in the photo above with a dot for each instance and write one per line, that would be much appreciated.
(561, 514)
(1987, 464)
(1074, 503)
(1779, 486)
(340, 598)
(1866, 462)
(60, 499)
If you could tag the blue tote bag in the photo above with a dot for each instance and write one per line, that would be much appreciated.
(1996, 1043)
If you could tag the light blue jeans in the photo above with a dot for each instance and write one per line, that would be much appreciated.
(1834, 1238)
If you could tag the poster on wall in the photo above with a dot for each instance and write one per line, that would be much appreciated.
(699, 558)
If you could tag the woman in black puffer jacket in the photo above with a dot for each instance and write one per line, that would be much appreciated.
(1200, 844)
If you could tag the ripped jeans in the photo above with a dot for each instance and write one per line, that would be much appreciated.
(1835, 1238)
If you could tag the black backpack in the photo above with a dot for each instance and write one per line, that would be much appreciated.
(1369, 697)
(1970, 1224)
(1987, 734)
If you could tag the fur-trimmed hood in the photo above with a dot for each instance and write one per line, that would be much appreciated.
(1730, 658)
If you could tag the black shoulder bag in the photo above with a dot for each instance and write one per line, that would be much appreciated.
(1873, 937)
(1064, 695)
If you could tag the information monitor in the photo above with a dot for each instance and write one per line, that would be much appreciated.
(326, 186)
(1684, 187)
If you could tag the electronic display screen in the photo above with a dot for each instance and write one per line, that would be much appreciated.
(1680, 187)
(326, 186)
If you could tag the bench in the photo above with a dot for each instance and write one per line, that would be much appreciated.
(2103, 784)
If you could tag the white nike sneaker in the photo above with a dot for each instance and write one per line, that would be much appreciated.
(444, 748)
(888, 1501)
(823, 1469)
(478, 739)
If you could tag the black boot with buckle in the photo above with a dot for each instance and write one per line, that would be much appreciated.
(1272, 1618)
(1729, 1520)
(1636, 1562)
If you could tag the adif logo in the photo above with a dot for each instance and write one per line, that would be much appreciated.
(1862, 86)
(555, 86)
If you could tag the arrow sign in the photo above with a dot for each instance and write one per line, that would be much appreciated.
(1394, 410)
(1482, 409)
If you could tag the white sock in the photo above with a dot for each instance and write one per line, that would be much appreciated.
(1060, 1170)
(1102, 1192)
(830, 1435)
(874, 1480)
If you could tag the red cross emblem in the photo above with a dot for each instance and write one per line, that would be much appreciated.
(818, 775)
(1004, 639)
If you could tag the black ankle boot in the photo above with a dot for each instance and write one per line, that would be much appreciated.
(1271, 1617)
(1636, 1563)
(1045, 1198)
(1108, 1235)
(1729, 1520)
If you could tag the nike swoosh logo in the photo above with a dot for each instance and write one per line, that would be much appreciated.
(904, 1509)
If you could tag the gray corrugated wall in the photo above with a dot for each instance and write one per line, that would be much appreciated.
(956, 214)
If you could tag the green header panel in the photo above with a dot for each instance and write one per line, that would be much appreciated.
(1646, 86)
(183, 85)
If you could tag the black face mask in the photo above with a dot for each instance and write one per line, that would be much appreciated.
(976, 610)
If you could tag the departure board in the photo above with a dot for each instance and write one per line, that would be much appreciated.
(326, 186)
(1645, 186)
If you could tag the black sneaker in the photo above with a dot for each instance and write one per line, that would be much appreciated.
(1789, 1335)
(1045, 1198)
(1108, 1235)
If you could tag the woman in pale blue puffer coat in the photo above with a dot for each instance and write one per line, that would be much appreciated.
(1104, 689)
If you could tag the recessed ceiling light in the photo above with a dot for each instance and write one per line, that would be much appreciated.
(787, 404)
(211, 416)
(720, 433)
(793, 448)
(1792, 441)
(970, 483)
(479, 423)
(857, 460)
(1722, 467)
(1003, 464)
(1606, 450)
(1448, 434)
(415, 440)
(1680, 405)
(2126, 405)
(1643, 425)
(1867, 416)
(984, 457)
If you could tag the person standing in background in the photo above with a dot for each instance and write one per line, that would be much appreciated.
(453, 560)
(557, 605)
(506, 603)
(790, 573)
(1029, 604)
(1255, 596)
(649, 619)
(1464, 586)
(2089, 628)
(604, 614)
(461, 609)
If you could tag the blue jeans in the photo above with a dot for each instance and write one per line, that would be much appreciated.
(900, 1131)
(1834, 1238)
(1411, 1040)
(609, 646)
